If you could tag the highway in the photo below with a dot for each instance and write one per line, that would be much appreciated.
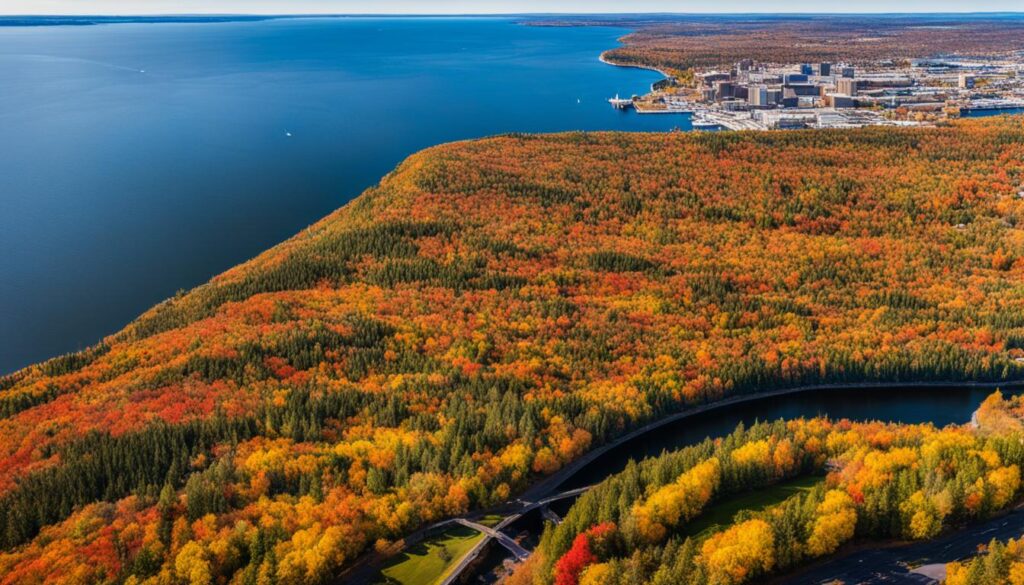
(890, 565)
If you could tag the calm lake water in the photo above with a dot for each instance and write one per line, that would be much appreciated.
(139, 159)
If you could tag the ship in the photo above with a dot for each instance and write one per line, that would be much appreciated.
(620, 103)
(702, 123)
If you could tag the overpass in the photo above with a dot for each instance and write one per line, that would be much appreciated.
(496, 533)
(502, 538)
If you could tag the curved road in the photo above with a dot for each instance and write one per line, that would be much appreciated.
(550, 484)
(890, 565)
(539, 494)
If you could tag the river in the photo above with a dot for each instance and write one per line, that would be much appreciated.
(142, 158)
(939, 404)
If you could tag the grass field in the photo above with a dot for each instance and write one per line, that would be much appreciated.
(491, 520)
(427, 563)
(722, 513)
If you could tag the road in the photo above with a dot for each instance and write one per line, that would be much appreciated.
(367, 571)
(364, 569)
(551, 483)
(889, 565)
(550, 515)
(502, 538)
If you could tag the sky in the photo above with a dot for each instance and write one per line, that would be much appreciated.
(134, 7)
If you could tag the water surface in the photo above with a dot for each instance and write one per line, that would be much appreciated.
(940, 406)
(138, 159)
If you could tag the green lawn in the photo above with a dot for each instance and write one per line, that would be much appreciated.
(721, 513)
(491, 520)
(424, 564)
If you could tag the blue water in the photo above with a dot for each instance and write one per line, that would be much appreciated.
(139, 159)
(987, 113)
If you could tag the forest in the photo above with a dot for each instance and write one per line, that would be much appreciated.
(683, 43)
(877, 481)
(1000, 563)
(492, 310)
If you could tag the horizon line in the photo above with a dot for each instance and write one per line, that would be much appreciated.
(493, 14)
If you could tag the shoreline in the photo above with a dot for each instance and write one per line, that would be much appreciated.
(606, 61)
(553, 481)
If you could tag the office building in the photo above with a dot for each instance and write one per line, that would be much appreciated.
(846, 86)
(758, 96)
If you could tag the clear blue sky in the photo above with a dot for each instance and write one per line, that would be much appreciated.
(490, 6)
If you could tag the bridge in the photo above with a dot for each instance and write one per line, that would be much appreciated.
(520, 553)
(502, 538)
(550, 515)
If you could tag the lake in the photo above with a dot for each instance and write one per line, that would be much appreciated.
(138, 159)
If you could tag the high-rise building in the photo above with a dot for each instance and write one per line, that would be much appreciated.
(806, 69)
(846, 86)
(848, 72)
(966, 81)
(824, 69)
(758, 96)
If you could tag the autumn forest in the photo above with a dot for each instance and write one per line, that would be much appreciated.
(494, 309)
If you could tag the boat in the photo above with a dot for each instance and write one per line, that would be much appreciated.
(620, 103)
(702, 123)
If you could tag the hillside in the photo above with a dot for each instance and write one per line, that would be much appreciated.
(489, 312)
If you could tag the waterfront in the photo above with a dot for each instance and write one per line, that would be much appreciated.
(140, 159)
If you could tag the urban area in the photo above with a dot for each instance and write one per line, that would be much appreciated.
(755, 96)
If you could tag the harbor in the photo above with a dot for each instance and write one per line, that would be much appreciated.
(769, 96)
